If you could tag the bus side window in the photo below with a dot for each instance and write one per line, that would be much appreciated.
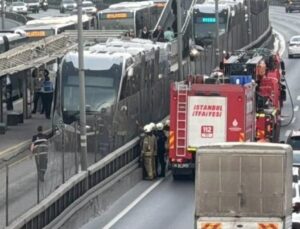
(139, 21)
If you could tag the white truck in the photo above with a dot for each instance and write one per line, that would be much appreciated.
(243, 186)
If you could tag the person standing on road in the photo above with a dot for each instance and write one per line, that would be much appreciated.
(161, 150)
(37, 84)
(39, 148)
(149, 149)
(167, 133)
(47, 94)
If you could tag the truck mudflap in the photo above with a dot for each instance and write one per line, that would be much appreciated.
(243, 223)
(183, 165)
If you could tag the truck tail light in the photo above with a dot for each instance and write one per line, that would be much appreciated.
(211, 226)
(242, 137)
(267, 226)
(171, 140)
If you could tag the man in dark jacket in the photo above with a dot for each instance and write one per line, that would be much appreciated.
(145, 33)
(39, 148)
(47, 94)
(161, 149)
(158, 34)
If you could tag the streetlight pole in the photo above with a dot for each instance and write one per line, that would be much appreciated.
(2, 15)
(249, 20)
(179, 39)
(217, 31)
(83, 138)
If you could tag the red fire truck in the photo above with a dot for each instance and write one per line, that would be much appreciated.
(204, 113)
(242, 103)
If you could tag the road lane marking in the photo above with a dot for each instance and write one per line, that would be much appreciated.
(133, 204)
(298, 97)
(294, 119)
(296, 108)
(287, 133)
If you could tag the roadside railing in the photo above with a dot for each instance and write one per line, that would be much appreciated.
(42, 214)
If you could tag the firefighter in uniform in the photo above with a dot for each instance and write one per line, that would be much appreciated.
(39, 149)
(167, 133)
(161, 149)
(149, 150)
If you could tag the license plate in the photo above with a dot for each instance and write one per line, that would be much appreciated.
(181, 166)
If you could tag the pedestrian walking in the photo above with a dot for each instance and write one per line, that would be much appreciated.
(39, 148)
(145, 33)
(8, 94)
(169, 34)
(37, 96)
(47, 94)
(149, 149)
(158, 34)
(161, 150)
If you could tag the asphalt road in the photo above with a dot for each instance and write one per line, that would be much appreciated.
(170, 205)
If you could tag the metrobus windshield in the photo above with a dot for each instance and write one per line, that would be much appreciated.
(101, 87)
(116, 21)
(205, 25)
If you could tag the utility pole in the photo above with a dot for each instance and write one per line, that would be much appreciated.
(249, 20)
(179, 39)
(2, 15)
(83, 139)
(217, 31)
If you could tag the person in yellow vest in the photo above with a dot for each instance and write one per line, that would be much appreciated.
(149, 152)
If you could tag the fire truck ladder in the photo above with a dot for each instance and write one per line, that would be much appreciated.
(181, 132)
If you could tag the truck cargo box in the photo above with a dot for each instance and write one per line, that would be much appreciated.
(244, 180)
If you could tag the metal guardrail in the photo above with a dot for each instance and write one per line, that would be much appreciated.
(41, 215)
(259, 40)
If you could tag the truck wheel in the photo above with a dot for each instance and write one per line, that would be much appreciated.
(290, 56)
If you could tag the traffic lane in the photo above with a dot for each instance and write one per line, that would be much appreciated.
(287, 25)
(48, 13)
(169, 205)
